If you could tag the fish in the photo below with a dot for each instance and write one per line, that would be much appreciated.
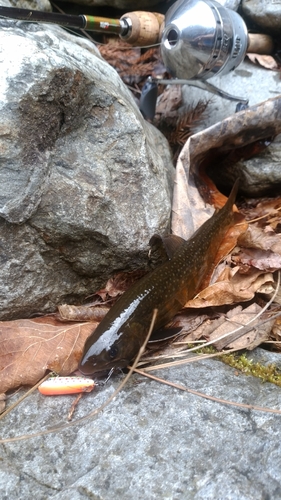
(118, 337)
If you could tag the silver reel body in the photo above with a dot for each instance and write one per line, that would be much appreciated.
(201, 38)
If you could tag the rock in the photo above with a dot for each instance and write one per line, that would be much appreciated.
(266, 15)
(152, 442)
(259, 175)
(119, 4)
(230, 4)
(43, 5)
(248, 81)
(142, 4)
(84, 180)
(256, 84)
(265, 358)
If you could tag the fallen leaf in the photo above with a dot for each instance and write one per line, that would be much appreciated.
(175, 124)
(168, 104)
(214, 326)
(256, 237)
(266, 210)
(119, 283)
(240, 340)
(231, 287)
(265, 61)
(265, 260)
(193, 322)
(276, 334)
(256, 123)
(227, 245)
(28, 348)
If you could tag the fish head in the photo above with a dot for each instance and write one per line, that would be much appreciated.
(110, 349)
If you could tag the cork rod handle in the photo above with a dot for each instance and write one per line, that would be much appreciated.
(144, 27)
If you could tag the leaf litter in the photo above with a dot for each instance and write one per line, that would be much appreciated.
(266, 61)
(30, 347)
(55, 343)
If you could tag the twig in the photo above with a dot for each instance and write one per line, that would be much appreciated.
(73, 406)
(186, 360)
(203, 356)
(4, 413)
(271, 212)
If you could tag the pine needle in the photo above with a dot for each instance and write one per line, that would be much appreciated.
(26, 394)
(206, 396)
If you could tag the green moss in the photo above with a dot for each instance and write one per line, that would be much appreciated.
(203, 350)
(267, 373)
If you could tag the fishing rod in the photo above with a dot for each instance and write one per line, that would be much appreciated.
(198, 39)
(136, 28)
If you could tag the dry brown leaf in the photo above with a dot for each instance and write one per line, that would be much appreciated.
(227, 245)
(256, 237)
(264, 260)
(267, 62)
(28, 348)
(259, 122)
(231, 287)
(233, 320)
(168, 103)
(214, 327)
(267, 210)
(119, 283)
(177, 124)
(194, 322)
(276, 334)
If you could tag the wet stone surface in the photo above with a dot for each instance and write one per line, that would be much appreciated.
(152, 441)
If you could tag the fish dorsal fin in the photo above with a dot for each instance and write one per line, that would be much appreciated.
(167, 245)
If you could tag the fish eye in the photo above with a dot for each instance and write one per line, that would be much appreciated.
(113, 351)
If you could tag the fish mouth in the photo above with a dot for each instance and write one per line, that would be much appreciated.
(96, 375)
(103, 369)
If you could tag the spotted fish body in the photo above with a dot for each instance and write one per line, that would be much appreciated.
(119, 336)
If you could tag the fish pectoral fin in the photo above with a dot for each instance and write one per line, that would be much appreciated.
(164, 334)
(165, 245)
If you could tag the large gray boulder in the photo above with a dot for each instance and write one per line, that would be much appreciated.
(266, 15)
(84, 180)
